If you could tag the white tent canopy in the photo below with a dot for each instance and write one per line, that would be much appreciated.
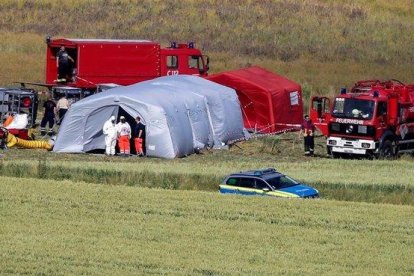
(181, 113)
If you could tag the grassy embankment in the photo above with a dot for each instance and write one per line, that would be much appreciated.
(51, 227)
(352, 180)
(323, 45)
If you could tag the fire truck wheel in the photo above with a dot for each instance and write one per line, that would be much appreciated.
(387, 150)
(336, 155)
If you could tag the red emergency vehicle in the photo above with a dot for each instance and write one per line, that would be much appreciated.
(122, 62)
(375, 118)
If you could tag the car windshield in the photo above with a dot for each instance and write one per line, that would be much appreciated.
(280, 182)
(353, 108)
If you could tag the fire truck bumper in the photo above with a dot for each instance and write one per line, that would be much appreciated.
(357, 146)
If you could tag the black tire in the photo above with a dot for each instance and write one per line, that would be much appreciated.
(387, 150)
(334, 155)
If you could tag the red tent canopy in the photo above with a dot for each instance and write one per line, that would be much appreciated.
(269, 101)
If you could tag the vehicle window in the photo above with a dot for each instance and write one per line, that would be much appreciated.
(274, 182)
(281, 182)
(246, 182)
(73, 96)
(172, 61)
(326, 105)
(315, 105)
(286, 181)
(260, 184)
(195, 62)
(232, 181)
(382, 109)
(321, 105)
(353, 108)
(339, 106)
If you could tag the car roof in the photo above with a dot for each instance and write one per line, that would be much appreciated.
(262, 173)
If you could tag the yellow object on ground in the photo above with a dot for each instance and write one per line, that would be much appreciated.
(13, 141)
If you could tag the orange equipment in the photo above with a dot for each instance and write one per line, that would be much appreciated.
(8, 121)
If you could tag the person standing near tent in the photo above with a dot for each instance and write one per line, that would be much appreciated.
(62, 108)
(109, 130)
(139, 134)
(308, 130)
(124, 134)
(48, 117)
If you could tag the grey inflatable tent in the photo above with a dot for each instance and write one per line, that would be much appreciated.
(181, 113)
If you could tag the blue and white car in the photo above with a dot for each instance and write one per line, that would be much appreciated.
(266, 182)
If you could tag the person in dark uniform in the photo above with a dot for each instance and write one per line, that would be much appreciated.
(48, 117)
(139, 137)
(308, 130)
(63, 65)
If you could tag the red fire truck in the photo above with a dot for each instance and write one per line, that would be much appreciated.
(375, 118)
(122, 62)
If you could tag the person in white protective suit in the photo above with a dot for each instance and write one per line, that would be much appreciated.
(110, 132)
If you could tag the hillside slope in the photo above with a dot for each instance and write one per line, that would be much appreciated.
(322, 44)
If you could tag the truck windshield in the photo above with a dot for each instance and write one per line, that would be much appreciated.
(196, 62)
(281, 182)
(353, 108)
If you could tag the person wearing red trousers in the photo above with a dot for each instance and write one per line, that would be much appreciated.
(124, 134)
(308, 130)
(139, 134)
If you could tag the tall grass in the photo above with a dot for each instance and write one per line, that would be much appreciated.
(381, 174)
(351, 180)
(286, 30)
(51, 227)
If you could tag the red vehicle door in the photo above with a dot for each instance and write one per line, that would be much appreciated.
(320, 113)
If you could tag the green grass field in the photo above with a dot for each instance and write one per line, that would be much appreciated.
(342, 179)
(354, 180)
(91, 214)
(51, 227)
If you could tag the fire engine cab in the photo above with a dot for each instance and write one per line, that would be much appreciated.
(375, 118)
